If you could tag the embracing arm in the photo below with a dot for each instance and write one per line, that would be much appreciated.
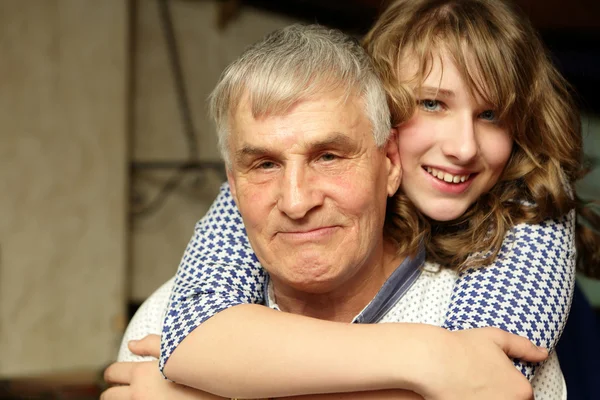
(526, 291)
(218, 271)
(141, 378)
(137, 374)
(251, 351)
(306, 355)
(279, 354)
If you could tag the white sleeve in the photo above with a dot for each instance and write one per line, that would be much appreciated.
(549, 382)
(147, 320)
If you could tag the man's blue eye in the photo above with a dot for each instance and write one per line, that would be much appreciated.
(328, 157)
(430, 105)
(488, 115)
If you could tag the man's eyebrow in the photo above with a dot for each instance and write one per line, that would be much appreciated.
(249, 151)
(335, 140)
(435, 92)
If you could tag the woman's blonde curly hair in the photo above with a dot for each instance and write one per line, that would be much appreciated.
(493, 45)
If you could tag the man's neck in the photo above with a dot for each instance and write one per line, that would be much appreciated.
(342, 303)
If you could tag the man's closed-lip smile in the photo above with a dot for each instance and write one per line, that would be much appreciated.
(309, 234)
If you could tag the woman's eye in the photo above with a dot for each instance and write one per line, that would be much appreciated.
(488, 115)
(430, 105)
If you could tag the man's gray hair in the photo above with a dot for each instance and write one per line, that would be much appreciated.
(293, 64)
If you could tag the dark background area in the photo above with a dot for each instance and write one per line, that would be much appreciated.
(570, 29)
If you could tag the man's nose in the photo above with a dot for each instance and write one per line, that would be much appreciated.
(298, 192)
(460, 142)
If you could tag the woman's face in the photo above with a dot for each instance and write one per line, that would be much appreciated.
(453, 149)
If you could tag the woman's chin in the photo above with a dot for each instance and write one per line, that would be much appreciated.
(444, 214)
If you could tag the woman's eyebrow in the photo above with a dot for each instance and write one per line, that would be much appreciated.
(435, 92)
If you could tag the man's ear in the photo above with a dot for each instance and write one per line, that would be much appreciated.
(231, 181)
(393, 162)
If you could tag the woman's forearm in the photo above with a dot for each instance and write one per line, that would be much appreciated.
(392, 394)
(281, 354)
(255, 352)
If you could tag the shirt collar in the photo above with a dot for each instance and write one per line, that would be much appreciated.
(392, 290)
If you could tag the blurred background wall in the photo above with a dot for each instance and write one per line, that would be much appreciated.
(160, 135)
(63, 181)
(108, 158)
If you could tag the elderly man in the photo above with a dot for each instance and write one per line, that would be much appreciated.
(311, 162)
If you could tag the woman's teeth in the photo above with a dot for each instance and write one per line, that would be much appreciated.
(446, 177)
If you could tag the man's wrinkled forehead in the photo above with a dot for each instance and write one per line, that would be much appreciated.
(340, 124)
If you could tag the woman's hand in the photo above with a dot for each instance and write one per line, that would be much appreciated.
(469, 364)
(148, 346)
(143, 380)
(475, 364)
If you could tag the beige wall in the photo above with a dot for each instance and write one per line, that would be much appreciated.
(158, 240)
(62, 183)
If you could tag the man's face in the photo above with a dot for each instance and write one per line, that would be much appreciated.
(312, 186)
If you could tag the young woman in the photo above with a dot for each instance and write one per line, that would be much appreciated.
(464, 78)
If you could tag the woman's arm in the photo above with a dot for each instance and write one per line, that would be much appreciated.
(137, 374)
(526, 291)
(204, 289)
(291, 354)
(218, 270)
(142, 380)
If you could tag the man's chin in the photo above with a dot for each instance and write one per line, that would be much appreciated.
(310, 280)
(314, 287)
